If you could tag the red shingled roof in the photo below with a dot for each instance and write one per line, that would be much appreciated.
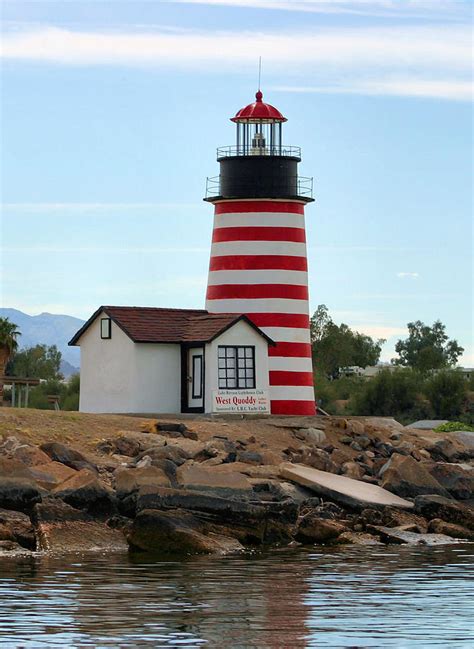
(154, 325)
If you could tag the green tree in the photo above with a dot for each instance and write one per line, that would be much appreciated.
(40, 361)
(335, 346)
(392, 393)
(427, 348)
(447, 391)
(9, 333)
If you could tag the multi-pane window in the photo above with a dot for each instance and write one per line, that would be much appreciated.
(236, 367)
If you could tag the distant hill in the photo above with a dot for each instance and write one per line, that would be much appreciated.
(48, 329)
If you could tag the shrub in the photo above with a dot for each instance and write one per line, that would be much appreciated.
(452, 426)
(447, 391)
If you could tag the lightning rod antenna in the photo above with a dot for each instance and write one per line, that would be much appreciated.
(259, 70)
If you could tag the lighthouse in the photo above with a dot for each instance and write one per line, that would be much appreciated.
(258, 264)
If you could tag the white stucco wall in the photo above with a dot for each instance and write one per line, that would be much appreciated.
(118, 375)
(240, 334)
(157, 378)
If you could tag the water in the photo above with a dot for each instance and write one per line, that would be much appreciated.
(349, 597)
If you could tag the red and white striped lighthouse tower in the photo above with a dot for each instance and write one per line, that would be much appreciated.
(258, 258)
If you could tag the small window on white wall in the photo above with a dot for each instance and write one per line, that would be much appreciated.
(105, 328)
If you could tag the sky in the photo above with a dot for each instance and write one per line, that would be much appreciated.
(111, 113)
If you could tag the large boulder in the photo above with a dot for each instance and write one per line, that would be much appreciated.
(128, 481)
(17, 527)
(404, 476)
(313, 529)
(448, 450)
(50, 475)
(194, 476)
(19, 494)
(251, 522)
(437, 526)
(454, 478)
(68, 456)
(177, 532)
(62, 528)
(84, 491)
(448, 510)
(170, 452)
(30, 455)
(131, 443)
(11, 468)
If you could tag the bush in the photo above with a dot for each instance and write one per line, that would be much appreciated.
(447, 392)
(68, 394)
(392, 394)
(452, 426)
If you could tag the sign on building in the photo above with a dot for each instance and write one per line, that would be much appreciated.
(244, 401)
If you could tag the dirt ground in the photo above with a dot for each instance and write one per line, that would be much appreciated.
(84, 431)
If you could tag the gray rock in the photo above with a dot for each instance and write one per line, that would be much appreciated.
(398, 536)
(427, 424)
(312, 435)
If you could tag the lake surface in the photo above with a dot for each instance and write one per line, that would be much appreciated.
(319, 597)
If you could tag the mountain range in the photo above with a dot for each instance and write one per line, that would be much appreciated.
(48, 329)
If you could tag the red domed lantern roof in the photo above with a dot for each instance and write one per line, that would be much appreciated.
(258, 112)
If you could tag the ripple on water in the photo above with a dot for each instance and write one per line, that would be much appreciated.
(348, 597)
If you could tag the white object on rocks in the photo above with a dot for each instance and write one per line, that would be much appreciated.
(354, 493)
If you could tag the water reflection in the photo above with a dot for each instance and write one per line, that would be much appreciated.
(352, 597)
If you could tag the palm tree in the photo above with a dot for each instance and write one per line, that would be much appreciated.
(9, 333)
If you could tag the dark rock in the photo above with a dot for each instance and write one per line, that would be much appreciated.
(10, 546)
(105, 447)
(54, 509)
(176, 532)
(171, 427)
(261, 522)
(384, 449)
(84, 491)
(437, 526)
(312, 529)
(18, 527)
(68, 456)
(345, 439)
(455, 479)
(363, 441)
(357, 538)
(404, 476)
(128, 446)
(19, 494)
(249, 457)
(448, 510)
(169, 452)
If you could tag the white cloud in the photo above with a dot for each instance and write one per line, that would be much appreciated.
(389, 8)
(54, 208)
(406, 275)
(460, 90)
(422, 61)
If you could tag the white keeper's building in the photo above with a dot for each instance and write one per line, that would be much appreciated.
(150, 360)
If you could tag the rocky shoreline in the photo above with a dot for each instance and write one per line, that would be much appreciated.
(195, 487)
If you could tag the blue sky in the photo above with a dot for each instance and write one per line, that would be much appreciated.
(111, 113)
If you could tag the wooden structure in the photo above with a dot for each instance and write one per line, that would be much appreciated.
(20, 389)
